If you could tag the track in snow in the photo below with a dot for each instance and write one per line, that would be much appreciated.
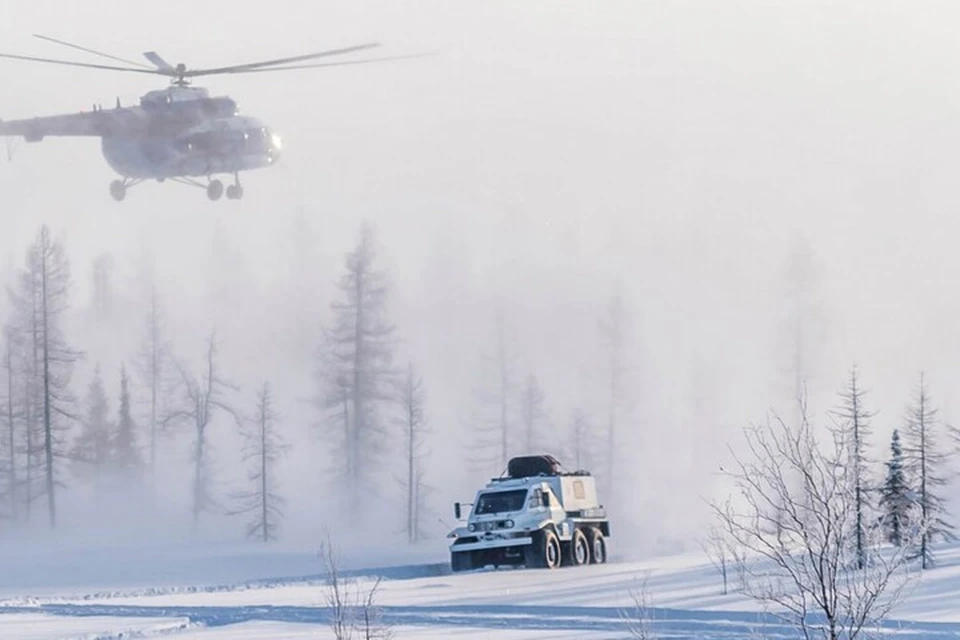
(674, 624)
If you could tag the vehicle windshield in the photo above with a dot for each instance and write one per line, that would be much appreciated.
(500, 502)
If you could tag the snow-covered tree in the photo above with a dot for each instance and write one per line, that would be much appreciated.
(799, 567)
(355, 373)
(125, 453)
(533, 412)
(414, 423)
(854, 424)
(925, 462)
(40, 300)
(896, 499)
(263, 447)
(91, 452)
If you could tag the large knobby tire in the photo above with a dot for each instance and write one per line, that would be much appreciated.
(578, 550)
(545, 552)
(462, 561)
(598, 546)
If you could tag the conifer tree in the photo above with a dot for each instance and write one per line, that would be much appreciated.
(855, 429)
(91, 452)
(356, 372)
(125, 454)
(263, 449)
(533, 413)
(925, 461)
(896, 501)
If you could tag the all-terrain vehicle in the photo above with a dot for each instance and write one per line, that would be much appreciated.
(536, 516)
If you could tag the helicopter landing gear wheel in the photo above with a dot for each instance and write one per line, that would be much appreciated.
(118, 190)
(214, 190)
(234, 192)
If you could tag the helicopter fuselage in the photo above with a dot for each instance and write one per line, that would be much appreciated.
(227, 145)
(177, 132)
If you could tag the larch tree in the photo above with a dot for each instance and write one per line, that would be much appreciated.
(581, 435)
(91, 452)
(925, 462)
(125, 452)
(613, 336)
(896, 500)
(201, 399)
(533, 412)
(40, 301)
(8, 435)
(263, 447)
(154, 366)
(414, 423)
(355, 374)
(854, 425)
(493, 425)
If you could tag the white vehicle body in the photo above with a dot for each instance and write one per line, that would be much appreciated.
(541, 520)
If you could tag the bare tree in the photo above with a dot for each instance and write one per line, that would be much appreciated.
(355, 374)
(717, 550)
(493, 423)
(263, 448)
(855, 427)
(804, 567)
(533, 412)
(200, 401)
(639, 616)
(925, 460)
(613, 335)
(581, 438)
(10, 420)
(40, 301)
(414, 422)
(154, 366)
(354, 612)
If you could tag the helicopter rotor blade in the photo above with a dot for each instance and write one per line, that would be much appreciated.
(280, 61)
(157, 61)
(336, 64)
(84, 64)
(85, 49)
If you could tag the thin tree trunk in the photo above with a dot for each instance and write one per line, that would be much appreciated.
(153, 394)
(263, 467)
(47, 426)
(197, 477)
(411, 496)
(358, 358)
(923, 476)
(11, 433)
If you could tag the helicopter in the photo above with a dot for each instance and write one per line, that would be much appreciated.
(179, 133)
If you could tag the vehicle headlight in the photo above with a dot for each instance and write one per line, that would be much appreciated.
(472, 527)
(508, 524)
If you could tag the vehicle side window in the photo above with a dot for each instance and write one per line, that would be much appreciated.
(578, 491)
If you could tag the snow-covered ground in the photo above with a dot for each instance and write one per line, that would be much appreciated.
(251, 595)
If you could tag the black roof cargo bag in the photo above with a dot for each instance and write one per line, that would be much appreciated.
(531, 466)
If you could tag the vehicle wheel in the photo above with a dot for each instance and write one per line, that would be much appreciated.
(578, 551)
(118, 190)
(215, 190)
(462, 561)
(598, 547)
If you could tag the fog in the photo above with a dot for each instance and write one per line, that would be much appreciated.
(743, 173)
